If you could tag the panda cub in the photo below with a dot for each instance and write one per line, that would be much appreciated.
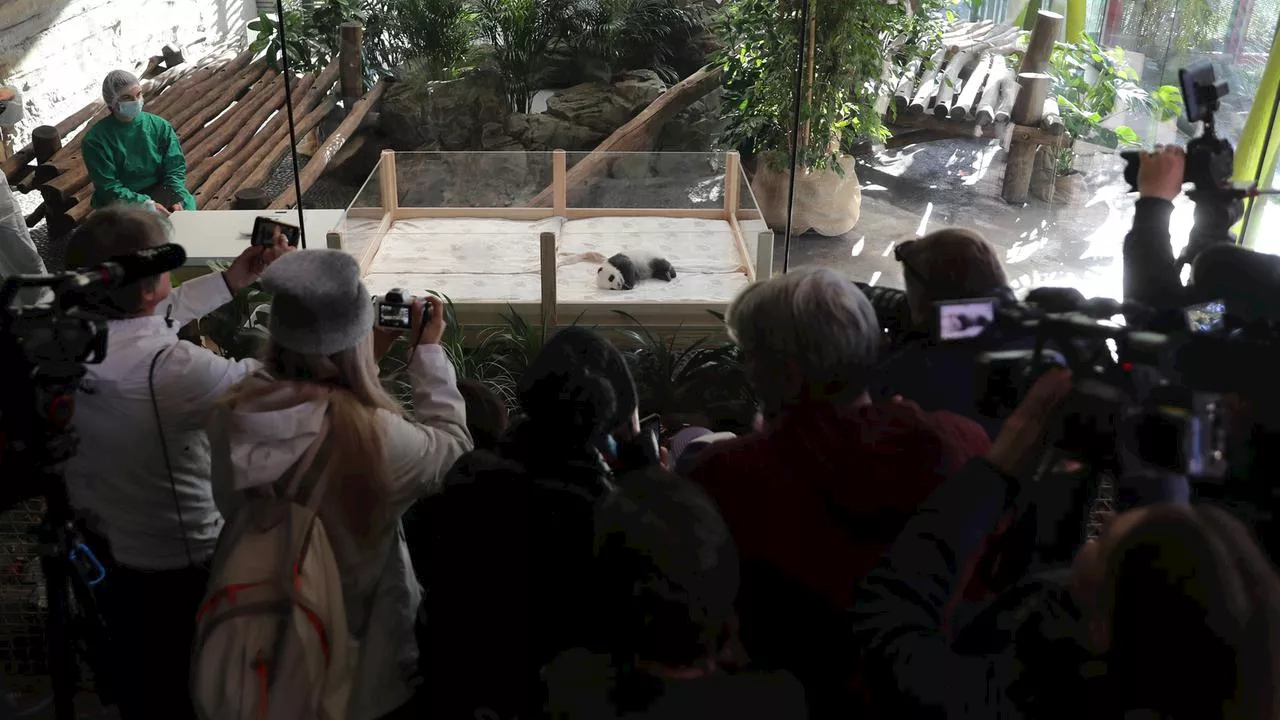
(624, 270)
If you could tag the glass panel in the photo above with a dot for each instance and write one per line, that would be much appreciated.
(471, 179)
(671, 180)
(943, 167)
(364, 216)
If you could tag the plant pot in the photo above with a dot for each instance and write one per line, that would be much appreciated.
(826, 201)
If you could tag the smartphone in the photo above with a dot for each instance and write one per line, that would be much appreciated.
(265, 230)
(641, 451)
(1206, 318)
(964, 319)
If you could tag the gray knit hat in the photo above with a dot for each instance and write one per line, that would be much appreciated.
(116, 84)
(319, 306)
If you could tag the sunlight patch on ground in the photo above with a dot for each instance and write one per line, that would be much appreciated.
(858, 247)
(981, 163)
(924, 220)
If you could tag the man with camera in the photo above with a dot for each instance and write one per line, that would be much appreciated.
(141, 476)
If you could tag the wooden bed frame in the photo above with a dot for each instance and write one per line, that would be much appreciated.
(756, 262)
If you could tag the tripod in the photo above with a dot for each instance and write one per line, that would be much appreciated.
(70, 568)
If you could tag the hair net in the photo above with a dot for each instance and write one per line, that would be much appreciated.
(117, 83)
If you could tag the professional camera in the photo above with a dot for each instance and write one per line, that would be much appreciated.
(1156, 396)
(395, 310)
(47, 334)
(1210, 163)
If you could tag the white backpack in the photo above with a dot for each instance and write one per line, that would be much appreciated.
(272, 641)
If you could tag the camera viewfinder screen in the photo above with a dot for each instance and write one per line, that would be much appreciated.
(265, 229)
(965, 320)
(394, 316)
(1206, 318)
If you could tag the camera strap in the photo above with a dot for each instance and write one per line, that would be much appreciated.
(164, 447)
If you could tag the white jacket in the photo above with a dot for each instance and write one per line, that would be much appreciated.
(18, 254)
(118, 477)
(259, 440)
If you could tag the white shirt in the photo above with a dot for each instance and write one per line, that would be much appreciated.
(18, 254)
(119, 478)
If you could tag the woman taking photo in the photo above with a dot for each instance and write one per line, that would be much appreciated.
(321, 380)
(133, 156)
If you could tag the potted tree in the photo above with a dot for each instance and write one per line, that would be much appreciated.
(1092, 86)
(845, 44)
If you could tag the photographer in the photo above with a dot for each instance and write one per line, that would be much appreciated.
(1090, 643)
(816, 496)
(320, 384)
(950, 264)
(141, 476)
(1151, 273)
(523, 512)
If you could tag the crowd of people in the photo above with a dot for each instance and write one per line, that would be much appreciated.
(869, 545)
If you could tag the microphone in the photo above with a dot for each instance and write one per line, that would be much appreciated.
(127, 269)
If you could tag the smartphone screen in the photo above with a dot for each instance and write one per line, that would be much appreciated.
(1206, 318)
(394, 316)
(964, 319)
(266, 229)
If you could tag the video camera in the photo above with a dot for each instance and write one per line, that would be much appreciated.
(46, 337)
(1159, 394)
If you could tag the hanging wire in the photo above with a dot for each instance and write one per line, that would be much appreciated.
(795, 132)
(293, 139)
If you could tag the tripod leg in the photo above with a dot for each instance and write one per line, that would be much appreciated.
(62, 667)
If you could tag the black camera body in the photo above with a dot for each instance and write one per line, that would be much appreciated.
(395, 310)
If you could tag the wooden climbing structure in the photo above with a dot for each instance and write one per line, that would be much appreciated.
(971, 87)
(229, 114)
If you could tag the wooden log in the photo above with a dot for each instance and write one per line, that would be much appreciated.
(351, 59)
(153, 67)
(46, 140)
(226, 146)
(929, 80)
(194, 84)
(76, 214)
(637, 134)
(906, 85)
(237, 115)
(217, 189)
(316, 166)
(963, 109)
(1051, 121)
(1028, 110)
(210, 88)
(986, 112)
(59, 190)
(36, 216)
(1047, 28)
(232, 91)
(69, 125)
(268, 160)
(250, 198)
(172, 56)
(923, 124)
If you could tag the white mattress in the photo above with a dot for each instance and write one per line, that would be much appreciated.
(474, 260)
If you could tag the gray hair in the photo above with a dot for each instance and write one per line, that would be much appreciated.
(116, 84)
(812, 320)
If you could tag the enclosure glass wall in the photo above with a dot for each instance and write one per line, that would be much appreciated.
(938, 138)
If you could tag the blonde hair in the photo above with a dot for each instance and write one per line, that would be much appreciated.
(355, 454)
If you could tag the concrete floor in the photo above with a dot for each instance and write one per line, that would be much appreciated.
(926, 187)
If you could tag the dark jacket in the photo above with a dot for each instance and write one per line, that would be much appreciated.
(1021, 657)
(812, 502)
(1151, 272)
(505, 554)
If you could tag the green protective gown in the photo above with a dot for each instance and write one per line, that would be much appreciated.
(125, 159)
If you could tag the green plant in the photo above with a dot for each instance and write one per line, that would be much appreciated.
(1158, 26)
(521, 34)
(433, 36)
(761, 46)
(625, 34)
(673, 377)
(238, 329)
(311, 29)
(1091, 85)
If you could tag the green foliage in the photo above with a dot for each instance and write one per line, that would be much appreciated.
(238, 329)
(761, 40)
(434, 37)
(521, 34)
(632, 34)
(1091, 85)
(1161, 26)
(311, 28)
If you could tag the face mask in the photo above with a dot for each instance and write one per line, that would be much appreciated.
(11, 112)
(130, 109)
